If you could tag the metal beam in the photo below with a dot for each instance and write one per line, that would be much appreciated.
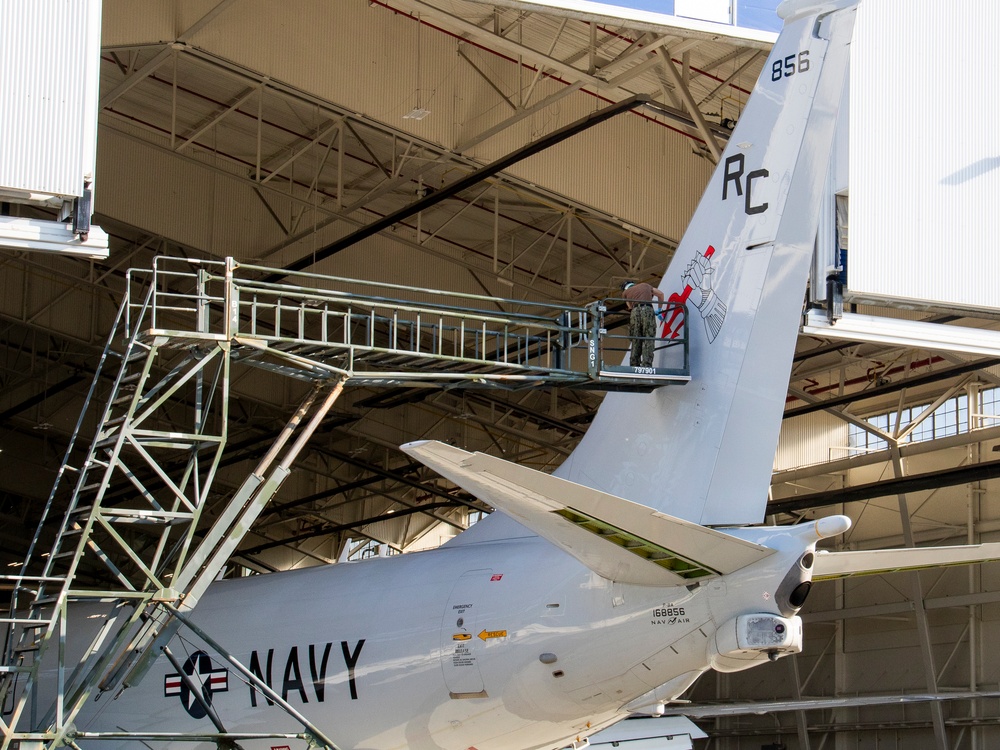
(920, 611)
(692, 107)
(704, 711)
(878, 329)
(147, 70)
(41, 396)
(912, 483)
(929, 378)
(902, 608)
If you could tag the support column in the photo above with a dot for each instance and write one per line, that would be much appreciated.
(920, 612)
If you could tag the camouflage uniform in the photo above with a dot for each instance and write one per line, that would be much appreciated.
(642, 321)
(642, 329)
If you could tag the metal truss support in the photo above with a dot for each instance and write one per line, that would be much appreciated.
(309, 181)
(920, 612)
(136, 521)
(463, 183)
(801, 724)
(140, 493)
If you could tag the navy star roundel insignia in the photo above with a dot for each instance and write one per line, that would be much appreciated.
(207, 680)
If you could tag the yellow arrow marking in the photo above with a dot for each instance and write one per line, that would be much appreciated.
(487, 634)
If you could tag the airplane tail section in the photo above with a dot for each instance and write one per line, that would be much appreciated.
(618, 539)
(704, 451)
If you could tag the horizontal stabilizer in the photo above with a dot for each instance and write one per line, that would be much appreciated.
(760, 708)
(830, 565)
(616, 538)
(665, 733)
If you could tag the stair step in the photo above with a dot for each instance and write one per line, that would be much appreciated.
(24, 622)
(44, 601)
(4, 669)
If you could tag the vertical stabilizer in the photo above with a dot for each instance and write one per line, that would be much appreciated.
(704, 451)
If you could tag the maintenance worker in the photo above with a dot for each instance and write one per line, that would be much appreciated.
(642, 322)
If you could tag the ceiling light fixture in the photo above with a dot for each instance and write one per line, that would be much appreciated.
(418, 112)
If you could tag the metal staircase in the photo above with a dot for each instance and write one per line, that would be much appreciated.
(135, 514)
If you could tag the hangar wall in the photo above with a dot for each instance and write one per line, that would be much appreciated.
(810, 439)
(925, 172)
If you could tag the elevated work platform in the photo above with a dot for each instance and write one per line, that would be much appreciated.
(135, 535)
(317, 327)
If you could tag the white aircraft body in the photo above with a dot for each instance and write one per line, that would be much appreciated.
(607, 588)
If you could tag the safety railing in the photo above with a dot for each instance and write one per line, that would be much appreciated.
(670, 354)
(355, 326)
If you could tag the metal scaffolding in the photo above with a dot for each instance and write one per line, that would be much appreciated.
(136, 512)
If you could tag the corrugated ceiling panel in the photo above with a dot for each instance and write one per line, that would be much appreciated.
(636, 169)
(48, 59)
(925, 165)
(44, 288)
(360, 71)
(202, 208)
(148, 22)
(381, 259)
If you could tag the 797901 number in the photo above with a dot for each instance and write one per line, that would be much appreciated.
(789, 65)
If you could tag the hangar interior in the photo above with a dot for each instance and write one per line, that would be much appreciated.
(484, 151)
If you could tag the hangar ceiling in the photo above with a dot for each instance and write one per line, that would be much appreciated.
(238, 128)
(206, 152)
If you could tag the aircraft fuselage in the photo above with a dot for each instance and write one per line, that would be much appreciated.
(507, 644)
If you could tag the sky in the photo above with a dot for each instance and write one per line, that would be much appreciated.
(754, 14)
